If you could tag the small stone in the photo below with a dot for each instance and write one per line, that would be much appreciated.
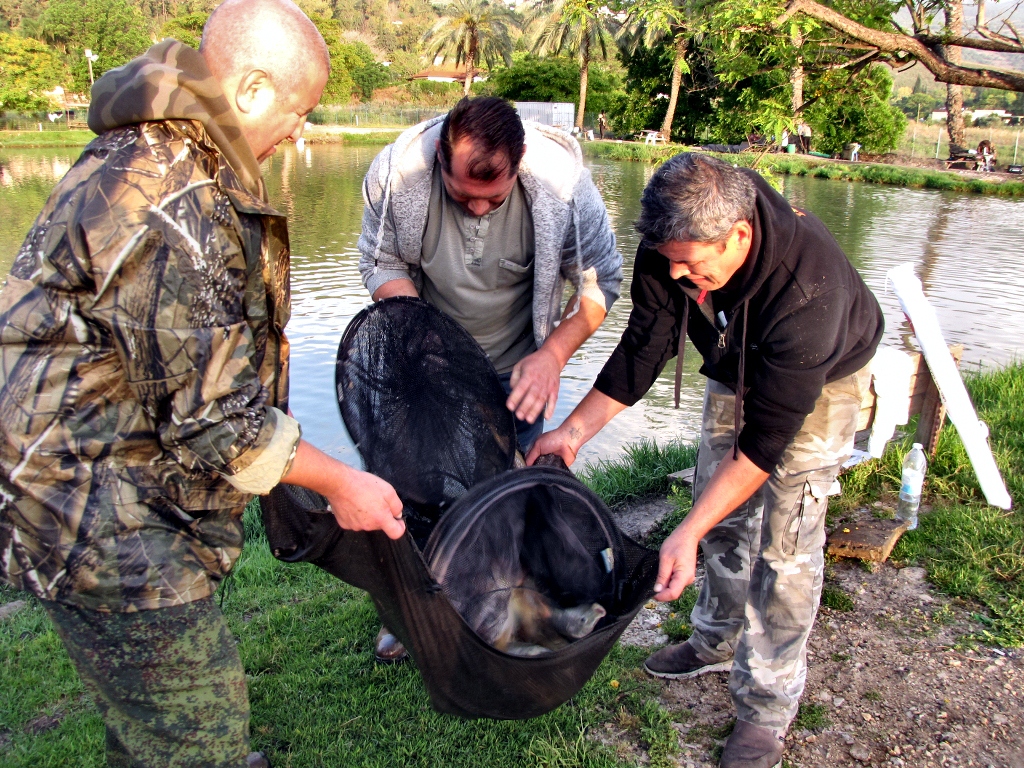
(811, 739)
(11, 608)
(896, 751)
(847, 738)
(998, 719)
(823, 695)
(955, 662)
(860, 752)
(838, 701)
(867, 717)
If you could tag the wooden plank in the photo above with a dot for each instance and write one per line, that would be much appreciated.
(871, 540)
(684, 476)
(933, 411)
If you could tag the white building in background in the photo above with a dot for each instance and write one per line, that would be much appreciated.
(974, 114)
(558, 114)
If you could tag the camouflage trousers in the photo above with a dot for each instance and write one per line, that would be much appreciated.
(765, 561)
(169, 683)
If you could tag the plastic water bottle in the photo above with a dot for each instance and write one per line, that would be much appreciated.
(914, 467)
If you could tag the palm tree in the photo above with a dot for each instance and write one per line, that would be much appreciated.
(470, 30)
(581, 28)
(650, 22)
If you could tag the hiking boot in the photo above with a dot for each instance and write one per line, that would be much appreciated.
(751, 746)
(388, 649)
(257, 760)
(680, 662)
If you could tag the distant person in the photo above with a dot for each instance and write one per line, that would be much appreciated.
(486, 218)
(786, 328)
(803, 134)
(602, 124)
(987, 154)
(144, 382)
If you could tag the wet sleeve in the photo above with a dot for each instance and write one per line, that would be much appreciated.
(177, 322)
(794, 359)
(651, 337)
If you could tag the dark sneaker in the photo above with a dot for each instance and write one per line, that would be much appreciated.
(751, 746)
(257, 760)
(680, 662)
(389, 649)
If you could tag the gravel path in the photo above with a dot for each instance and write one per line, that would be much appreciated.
(885, 686)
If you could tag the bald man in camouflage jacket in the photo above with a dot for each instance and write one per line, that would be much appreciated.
(144, 381)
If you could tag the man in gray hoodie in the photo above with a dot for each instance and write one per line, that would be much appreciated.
(486, 217)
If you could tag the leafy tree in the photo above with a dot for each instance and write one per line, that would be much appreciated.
(652, 21)
(353, 68)
(531, 78)
(858, 111)
(114, 29)
(187, 28)
(470, 30)
(581, 28)
(27, 68)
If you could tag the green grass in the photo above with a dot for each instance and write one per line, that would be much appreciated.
(317, 697)
(836, 599)
(894, 175)
(813, 717)
(34, 139)
(641, 472)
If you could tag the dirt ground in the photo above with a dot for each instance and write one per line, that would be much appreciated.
(886, 685)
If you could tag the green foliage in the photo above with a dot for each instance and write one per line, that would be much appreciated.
(354, 71)
(187, 28)
(472, 31)
(28, 68)
(836, 599)
(920, 103)
(115, 30)
(813, 717)
(855, 110)
(677, 625)
(531, 78)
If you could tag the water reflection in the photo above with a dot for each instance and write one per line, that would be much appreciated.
(966, 249)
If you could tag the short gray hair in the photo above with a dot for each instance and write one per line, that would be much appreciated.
(694, 198)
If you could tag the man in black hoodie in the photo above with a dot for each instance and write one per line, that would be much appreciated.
(782, 318)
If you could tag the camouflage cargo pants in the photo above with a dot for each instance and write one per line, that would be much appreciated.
(765, 561)
(169, 683)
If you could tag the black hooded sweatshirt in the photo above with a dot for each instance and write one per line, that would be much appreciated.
(805, 314)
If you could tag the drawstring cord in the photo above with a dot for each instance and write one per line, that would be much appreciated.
(740, 388)
(681, 350)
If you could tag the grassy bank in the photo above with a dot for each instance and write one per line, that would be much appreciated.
(895, 175)
(319, 700)
(45, 139)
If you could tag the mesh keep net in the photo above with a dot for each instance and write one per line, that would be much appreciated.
(511, 585)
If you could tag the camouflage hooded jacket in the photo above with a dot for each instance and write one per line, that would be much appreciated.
(143, 361)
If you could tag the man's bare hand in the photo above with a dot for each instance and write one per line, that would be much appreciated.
(534, 384)
(367, 503)
(677, 565)
(559, 442)
(360, 501)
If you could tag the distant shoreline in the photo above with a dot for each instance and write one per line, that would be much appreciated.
(840, 170)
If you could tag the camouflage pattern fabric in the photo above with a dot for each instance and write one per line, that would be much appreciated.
(169, 683)
(142, 363)
(765, 561)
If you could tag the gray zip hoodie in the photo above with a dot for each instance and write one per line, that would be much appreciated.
(573, 239)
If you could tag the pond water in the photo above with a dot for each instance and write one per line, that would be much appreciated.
(967, 250)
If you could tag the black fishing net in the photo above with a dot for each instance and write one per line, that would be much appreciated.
(423, 405)
(511, 585)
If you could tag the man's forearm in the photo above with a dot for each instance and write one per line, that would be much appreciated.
(732, 484)
(400, 287)
(573, 331)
